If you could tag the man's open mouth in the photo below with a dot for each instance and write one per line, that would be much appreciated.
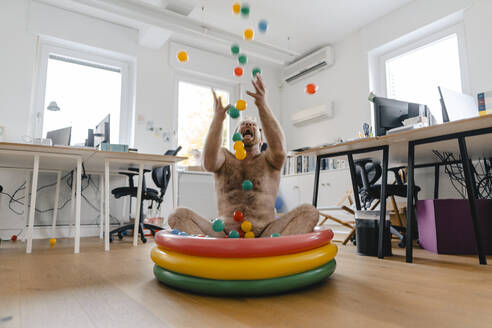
(247, 132)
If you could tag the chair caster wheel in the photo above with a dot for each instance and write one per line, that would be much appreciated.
(120, 236)
(144, 240)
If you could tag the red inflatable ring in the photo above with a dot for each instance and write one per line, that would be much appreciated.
(242, 247)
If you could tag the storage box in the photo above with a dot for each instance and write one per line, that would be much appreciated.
(445, 226)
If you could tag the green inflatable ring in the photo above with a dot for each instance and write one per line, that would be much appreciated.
(244, 287)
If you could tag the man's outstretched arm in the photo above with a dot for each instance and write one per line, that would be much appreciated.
(275, 153)
(213, 155)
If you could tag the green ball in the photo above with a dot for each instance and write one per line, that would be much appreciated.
(255, 71)
(218, 225)
(233, 234)
(275, 235)
(233, 112)
(242, 59)
(237, 137)
(247, 185)
(234, 49)
(245, 10)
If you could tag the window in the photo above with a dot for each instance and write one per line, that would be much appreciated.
(85, 93)
(87, 84)
(413, 73)
(195, 113)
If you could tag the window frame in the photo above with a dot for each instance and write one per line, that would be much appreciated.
(197, 79)
(89, 54)
(429, 39)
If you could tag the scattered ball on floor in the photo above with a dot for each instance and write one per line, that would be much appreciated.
(13, 238)
(52, 242)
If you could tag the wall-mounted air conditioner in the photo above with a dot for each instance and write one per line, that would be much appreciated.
(308, 65)
(312, 114)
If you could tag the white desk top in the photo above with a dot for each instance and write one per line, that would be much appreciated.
(478, 147)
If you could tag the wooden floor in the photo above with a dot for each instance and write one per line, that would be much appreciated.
(55, 288)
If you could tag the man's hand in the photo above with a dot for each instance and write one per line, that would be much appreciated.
(260, 94)
(219, 109)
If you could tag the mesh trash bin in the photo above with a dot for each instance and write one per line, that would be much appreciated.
(367, 233)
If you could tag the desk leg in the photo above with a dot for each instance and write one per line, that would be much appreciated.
(437, 172)
(382, 208)
(77, 206)
(410, 189)
(55, 206)
(316, 181)
(72, 203)
(101, 206)
(472, 198)
(32, 209)
(139, 203)
(106, 205)
(26, 204)
(353, 177)
(174, 185)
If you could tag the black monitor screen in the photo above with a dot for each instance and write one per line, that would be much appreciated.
(390, 113)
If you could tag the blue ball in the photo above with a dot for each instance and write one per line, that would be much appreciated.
(175, 232)
(218, 225)
(263, 26)
(182, 233)
(275, 235)
(279, 203)
(233, 234)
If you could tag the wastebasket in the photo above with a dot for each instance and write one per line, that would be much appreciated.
(367, 233)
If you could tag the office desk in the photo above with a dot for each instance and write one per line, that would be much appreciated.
(58, 158)
(402, 146)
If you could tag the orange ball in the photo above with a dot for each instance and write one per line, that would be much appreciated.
(182, 56)
(246, 226)
(236, 8)
(311, 88)
(238, 145)
(238, 216)
(238, 71)
(249, 234)
(248, 34)
(240, 154)
(241, 104)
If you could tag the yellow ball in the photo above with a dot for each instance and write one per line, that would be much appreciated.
(182, 56)
(241, 104)
(249, 34)
(238, 145)
(236, 8)
(52, 241)
(249, 234)
(240, 154)
(246, 226)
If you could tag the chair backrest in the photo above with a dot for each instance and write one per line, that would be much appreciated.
(371, 169)
(162, 175)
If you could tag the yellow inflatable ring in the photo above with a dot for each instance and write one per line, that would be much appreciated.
(243, 268)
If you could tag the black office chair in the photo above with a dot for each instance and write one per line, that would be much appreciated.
(368, 173)
(161, 177)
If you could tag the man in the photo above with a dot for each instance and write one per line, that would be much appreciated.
(262, 168)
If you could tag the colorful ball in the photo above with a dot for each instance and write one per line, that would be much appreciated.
(182, 233)
(233, 112)
(246, 226)
(241, 104)
(275, 235)
(247, 185)
(236, 8)
(238, 145)
(238, 71)
(13, 238)
(182, 56)
(245, 10)
(242, 59)
(237, 137)
(248, 34)
(249, 234)
(218, 225)
(238, 216)
(233, 234)
(256, 71)
(263, 26)
(311, 88)
(234, 49)
(175, 232)
(240, 154)
(52, 241)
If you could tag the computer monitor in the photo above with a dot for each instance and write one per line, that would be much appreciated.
(60, 137)
(102, 131)
(390, 113)
(457, 106)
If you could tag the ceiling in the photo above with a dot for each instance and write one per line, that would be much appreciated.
(309, 23)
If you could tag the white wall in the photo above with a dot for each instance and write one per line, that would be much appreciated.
(21, 21)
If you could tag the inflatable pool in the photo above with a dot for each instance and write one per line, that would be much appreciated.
(243, 267)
